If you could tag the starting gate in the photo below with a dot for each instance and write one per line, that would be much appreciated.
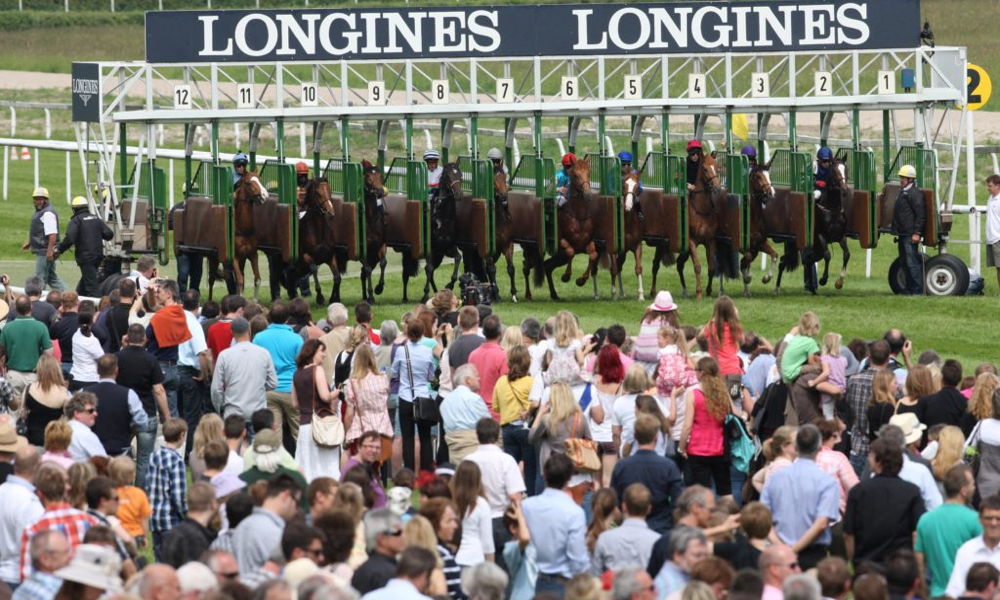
(608, 208)
(347, 188)
(149, 236)
(276, 221)
(862, 208)
(664, 204)
(407, 209)
(792, 176)
(478, 208)
(734, 219)
(533, 191)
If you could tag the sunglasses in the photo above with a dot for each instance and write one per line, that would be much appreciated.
(90, 410)
(229, 576)
(393, 532)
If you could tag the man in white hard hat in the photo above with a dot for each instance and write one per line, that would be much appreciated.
(908, 219)
(43, 236)
(86, 232)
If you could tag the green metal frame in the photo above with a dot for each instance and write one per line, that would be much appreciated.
(347, 179)
(922, 159)
(222, 194)
(862, 175)
(736, 179)
(607, 172)
(537, 175)
(666, 171)
(153, 187)
(477, 180)
(410, 177)
(286, 187)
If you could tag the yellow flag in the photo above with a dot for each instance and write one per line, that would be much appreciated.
(740, 127)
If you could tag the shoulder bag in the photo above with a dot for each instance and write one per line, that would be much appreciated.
(386, 439)
(328, 430)
(425, 408)
(581, 451)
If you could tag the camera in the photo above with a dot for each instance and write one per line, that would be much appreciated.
(474, 292)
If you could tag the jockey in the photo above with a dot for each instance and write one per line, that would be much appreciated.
(562, 178)
(497, 157)
(751, 153)
(434, 171)
(240, 162)
(626, 160)
(302, 179)
(695, 154)
(379, 193)
(824, 174)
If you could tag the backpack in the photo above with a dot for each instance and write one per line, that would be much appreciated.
(768, 412)
(740, 444)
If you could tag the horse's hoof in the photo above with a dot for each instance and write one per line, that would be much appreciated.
(378, 289)
(320, 300)
(838, 284)
(642, 298)
(823, 281)
(565, 277)
(580, 281)
(777, 291)
(451, 285)
(766, 279)
(746, 293)
(747, 279)
(513, 298)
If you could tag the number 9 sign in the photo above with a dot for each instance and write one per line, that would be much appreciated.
(376, 93)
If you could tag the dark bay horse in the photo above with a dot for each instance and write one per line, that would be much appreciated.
(317, 245)
(831, 224)
(443, 240)
(761, 194)
(634, 231)
(375, 234)
(248, 193)
(504, 227)
(704, 205)
(576, 229)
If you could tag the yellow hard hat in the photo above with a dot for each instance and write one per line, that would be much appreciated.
(40, 192)
(908, 171)
(78, 201)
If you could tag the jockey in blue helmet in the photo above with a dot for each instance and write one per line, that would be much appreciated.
(823, 176)
(240, 164)
(625, 157)
(750, 152)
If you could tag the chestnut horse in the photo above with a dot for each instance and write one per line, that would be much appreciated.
(504, 228)
(576, 229)
(634, 231)
(704, 204)
(316, 239)
(761, 194)
(248, 192)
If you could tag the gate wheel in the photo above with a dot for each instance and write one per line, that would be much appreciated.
(897, 275)
(946, 275)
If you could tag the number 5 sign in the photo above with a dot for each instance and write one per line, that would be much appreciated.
(980, 86)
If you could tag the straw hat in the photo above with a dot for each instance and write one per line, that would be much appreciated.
(664, 301)
(9, 440)
(912, 428)
(96, 566)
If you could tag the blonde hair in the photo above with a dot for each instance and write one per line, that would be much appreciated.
(782, 436)
(58, 435)
(951, 440)
(669, 333)
(364, 362)
(349, 497)
(697, 590)
(717, 400)
(808, 324)
(122, 471)
(636, 380)
(882, 388)
(831, 344)
(567, 330)
(210, 428)
(419, 532)
(981, 402)
(563, 404)
(511, 337)
(49, 374)
(358, 336)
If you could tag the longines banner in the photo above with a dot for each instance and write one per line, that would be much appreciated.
(529, 30)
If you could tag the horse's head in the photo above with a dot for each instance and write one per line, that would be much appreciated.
(318, 196)
(709, 174)
(451, 181)
(579, 176)
(760, 184)
(374, 188)
(499, 185)
(249, 189)
(630, 188)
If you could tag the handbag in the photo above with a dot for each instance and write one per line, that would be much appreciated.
(386, 453)
(973, 456)
(582, 452)
(327, 431)
(425, 408)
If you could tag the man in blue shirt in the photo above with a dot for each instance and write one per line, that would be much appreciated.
(283, 344)
(660, 475)
(558, 528)
(804, 500)
(413, 576)
(460, 412)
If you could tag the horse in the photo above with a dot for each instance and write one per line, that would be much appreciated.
(316, 239)
(634, 231)
(375, 234)
(248, 193)
(504, 227)
(442, 242)
(704, 205)
(576, 230)
(761, 193)
(831, 224)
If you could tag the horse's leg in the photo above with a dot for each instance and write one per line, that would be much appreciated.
(843, 270)
(637, 255)
(457, 256)
(711, 256)
(773, 254)
(255, 266)
(550, 264)
(275, 264)
(408, 268)
(825, 253)
(509, 255)
(657, 257)
(745, 265)
(693, 250)
(382, 261)
(238, 264)
(527, 258)
(337, 267)
(681, 261)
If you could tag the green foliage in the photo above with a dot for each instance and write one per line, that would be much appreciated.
(14, 20)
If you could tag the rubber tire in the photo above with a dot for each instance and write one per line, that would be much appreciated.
(946, 275)
(897, 278)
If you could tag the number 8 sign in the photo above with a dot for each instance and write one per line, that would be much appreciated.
(439, 91)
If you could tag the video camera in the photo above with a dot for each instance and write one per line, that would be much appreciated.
(475, 293)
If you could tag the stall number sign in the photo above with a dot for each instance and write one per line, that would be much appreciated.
(980, 86)
(376, 93)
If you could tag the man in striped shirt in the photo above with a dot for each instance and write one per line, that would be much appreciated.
(51, 483)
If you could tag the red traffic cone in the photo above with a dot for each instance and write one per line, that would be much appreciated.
(13, 153)
(25, 153)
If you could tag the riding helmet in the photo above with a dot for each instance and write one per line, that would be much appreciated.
(301, 168)
(568, 159)
(241, 159)
(908, 171)
(368, 167)
(625, 157)
(494, 154)
(694, 145)
(79, 202)
(40, 192)
(749, 150)
(432, 154)
(824, 153)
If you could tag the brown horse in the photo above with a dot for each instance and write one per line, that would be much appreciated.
(375, 233)
(248, 192)
(504, 234)
(761, 193)
(576, 229)
(634, 231)
(316, 237)
(704, 204)
(831, 224)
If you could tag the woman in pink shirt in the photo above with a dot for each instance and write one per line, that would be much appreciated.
(834, 462)
(706, 407)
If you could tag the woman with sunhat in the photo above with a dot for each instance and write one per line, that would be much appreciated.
(663, 311)
(92, 573)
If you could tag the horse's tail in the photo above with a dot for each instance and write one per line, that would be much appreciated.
(605, 260)
(667, 258)
(475, 265)
(727, 260)
(790, 259)
(534, 261)
(410, 266)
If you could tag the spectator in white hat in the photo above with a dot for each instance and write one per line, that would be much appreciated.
(92, 572)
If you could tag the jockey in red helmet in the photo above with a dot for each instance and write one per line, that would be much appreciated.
(562, 177)
(695, 154)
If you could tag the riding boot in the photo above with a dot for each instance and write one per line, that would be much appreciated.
(380, 211)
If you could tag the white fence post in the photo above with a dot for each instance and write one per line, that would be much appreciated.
(69, 178)
(66, 5)
(38, 160)
(170, 182)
